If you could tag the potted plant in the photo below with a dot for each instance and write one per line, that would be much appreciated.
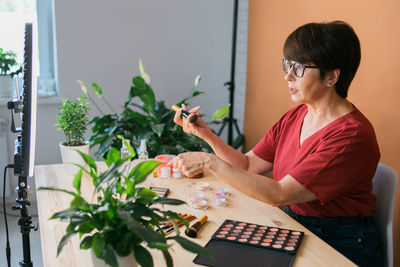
(116, 227)
(144, 117)
(72, 120)
(9, 67)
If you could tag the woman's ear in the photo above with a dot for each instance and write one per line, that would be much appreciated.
(332, 77)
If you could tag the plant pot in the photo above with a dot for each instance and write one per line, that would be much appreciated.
(128, 261)
(70, 156)
(7, 87)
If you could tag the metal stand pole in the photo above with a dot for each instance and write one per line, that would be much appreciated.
(231, 121)
(25, 220)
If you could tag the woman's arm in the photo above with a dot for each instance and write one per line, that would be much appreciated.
(276, 193)
(227, 153)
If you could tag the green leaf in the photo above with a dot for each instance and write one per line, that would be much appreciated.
(169, 201)
(158, 245)
(142, 170)
(158, 129)
(62, 243)
(109, 174)
(146, 192)
(142, 232)
(77, 202)
(57, 189)
(191, 246)
(143, 256)
(113, 155)
(221, 113)
(86, 242)
(97, 89)
(98, 245)
(77, 181)
(85, 228)
(109, 256)
(168, 258)
(83, 87)
(88, 159)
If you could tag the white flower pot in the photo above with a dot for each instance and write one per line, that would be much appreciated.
(128, 261)
(7, 87)
(70, 156)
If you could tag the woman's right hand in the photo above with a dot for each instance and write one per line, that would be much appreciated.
(198, 128)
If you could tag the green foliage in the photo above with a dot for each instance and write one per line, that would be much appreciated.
(72, 120)
(150, 120)
(8, 63)
(116, 225)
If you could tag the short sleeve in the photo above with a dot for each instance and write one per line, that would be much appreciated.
(265, 148)
(337, 165)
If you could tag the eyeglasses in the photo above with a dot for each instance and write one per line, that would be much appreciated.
(298, 68)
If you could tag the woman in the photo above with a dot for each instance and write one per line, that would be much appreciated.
(323, 152)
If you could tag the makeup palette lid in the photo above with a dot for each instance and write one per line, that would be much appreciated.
(261, 236)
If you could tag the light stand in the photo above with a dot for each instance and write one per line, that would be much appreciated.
(231, 121)
(25, 220)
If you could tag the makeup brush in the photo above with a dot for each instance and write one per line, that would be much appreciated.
(192, 231)
(191, 218)
(185, 114)
(168, 225)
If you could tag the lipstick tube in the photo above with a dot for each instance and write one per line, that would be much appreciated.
(185, 113)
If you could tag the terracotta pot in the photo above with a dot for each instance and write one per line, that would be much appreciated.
(70, 156)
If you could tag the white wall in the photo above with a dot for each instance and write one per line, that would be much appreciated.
(101, 41)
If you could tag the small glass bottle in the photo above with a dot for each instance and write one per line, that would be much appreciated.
(124, 153)
(143, 155)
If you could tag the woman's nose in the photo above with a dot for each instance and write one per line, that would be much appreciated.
(290, 75)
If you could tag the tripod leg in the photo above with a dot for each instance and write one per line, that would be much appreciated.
(222, 127)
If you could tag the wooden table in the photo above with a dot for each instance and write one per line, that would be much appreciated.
(312, 251)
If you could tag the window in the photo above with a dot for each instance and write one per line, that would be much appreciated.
(13, 15)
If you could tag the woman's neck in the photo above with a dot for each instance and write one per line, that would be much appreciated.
(329, 108)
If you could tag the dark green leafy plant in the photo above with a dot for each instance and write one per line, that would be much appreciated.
(8, 63)
(117, 225)
(72, 120)
(143, 117)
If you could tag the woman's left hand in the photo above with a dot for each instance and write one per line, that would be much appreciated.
(193, 163)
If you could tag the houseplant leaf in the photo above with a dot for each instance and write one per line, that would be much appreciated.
(141, 170)
(191, 246)
(221, 113)
(143, 257)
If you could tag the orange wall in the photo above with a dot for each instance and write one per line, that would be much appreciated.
(375, 89)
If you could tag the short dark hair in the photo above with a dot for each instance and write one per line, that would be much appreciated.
(330, 46)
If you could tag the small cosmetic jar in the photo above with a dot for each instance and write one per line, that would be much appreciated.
(198, 200)
(200, 204)
(223, 190)
(176, 173)
(203, 186)
(165, 172)
(220, 199)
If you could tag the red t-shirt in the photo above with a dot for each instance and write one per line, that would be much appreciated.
(337, 163)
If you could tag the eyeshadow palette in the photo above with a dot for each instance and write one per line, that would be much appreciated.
(261, 236)
(163, 192)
